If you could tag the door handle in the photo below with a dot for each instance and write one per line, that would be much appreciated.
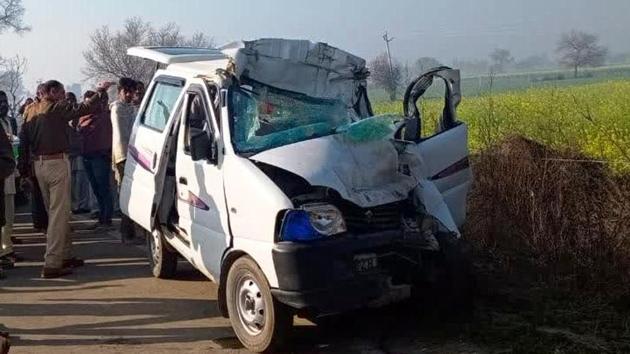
(183, 180)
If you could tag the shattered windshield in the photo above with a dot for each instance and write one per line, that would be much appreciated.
(263, 117)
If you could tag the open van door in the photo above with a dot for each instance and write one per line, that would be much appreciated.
(445, 153)
(172, 55)
(142, 184)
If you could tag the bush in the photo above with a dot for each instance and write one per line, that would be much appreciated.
(557, 216)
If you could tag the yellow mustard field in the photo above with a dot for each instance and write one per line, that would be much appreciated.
(592, 119)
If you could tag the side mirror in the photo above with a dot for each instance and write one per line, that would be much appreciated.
(202, 147)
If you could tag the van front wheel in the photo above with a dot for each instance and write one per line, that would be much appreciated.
(260, 323)
(163, 261)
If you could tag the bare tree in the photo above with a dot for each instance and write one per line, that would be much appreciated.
(425, 63)
(11, 81)
(11, 13)
(107, 56)
(472, 66)
(384, 76)
(500, 58)
(578, 49)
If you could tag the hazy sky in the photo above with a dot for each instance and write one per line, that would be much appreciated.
(445, 29)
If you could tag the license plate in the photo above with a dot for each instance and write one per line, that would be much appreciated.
(365, 262)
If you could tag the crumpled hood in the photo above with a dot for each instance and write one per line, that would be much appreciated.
(365, 173)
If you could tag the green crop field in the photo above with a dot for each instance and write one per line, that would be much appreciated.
(480, 85)
(593, 118)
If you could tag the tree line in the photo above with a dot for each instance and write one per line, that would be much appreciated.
(106, 56)
(575, 50)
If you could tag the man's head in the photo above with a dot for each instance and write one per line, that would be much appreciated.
(126, 89)
(71, 98)
(88, 94)
(139, 94)
(4, 104)
(39, 93)
(53, 91)
(24, 105)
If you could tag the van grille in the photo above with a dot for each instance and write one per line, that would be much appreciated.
(379, 218)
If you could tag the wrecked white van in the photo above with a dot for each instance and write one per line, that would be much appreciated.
(262, 164)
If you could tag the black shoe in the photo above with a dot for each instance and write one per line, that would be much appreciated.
(14, 257)
(81, 211)
(5, 343)
(73, 263)
(6, 262)
(86, 227)
(49, 273)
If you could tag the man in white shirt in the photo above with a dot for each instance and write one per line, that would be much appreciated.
(123, 114)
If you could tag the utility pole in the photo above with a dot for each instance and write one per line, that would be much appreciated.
(387, 39)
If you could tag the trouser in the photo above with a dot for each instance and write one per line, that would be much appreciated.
(80, 184)
(7, 229)
(127, 229)
(54, 181)
(38, 209)
(99, 173)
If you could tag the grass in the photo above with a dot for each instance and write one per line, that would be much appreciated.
(549, 215)
(593, 119)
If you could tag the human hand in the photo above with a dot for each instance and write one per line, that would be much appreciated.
(104, 85)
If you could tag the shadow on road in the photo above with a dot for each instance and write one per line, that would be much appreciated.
(113, 300)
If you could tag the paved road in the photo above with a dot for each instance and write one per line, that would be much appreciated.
(113, 305)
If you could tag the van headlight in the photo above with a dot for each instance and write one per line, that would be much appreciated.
(311, 222)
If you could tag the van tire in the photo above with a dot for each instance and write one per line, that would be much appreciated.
(260, 322)
(162, 260)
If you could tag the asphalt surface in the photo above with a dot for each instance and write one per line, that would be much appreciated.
(114, 305)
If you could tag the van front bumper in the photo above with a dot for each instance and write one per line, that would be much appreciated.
(330, 276)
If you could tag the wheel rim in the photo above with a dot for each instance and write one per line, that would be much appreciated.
(155, 248)
(251, 305)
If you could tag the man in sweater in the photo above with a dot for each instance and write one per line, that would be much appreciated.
(96, 130)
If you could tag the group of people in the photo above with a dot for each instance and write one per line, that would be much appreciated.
(59, 136)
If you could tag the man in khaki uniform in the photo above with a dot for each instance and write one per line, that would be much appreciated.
(45, 129)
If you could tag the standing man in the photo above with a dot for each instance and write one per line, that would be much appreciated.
(96, 130)
(123, 114)
(46, 134)
(25, 167)
(139, 94)
(7, 166)
(79, 180)
(7, 255)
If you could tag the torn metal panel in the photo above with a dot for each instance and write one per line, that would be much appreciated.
(314, 69)
(430, 201)
(364, 173)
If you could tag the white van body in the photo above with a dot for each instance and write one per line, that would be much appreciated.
(374, 196)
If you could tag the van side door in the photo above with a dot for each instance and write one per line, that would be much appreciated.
(444, 152)
(201, 205)
(143, 180)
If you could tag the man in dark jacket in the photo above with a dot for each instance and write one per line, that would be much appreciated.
(96, 133)
(7, 166)
(25, 167)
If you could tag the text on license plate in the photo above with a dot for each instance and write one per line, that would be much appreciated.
(365, 262)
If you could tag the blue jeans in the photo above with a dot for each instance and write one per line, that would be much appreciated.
(99, 169)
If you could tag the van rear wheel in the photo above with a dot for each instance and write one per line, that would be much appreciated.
(163, 261)
(260, 323)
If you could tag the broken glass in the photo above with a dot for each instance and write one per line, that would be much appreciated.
(264, 117)
(371, 129)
